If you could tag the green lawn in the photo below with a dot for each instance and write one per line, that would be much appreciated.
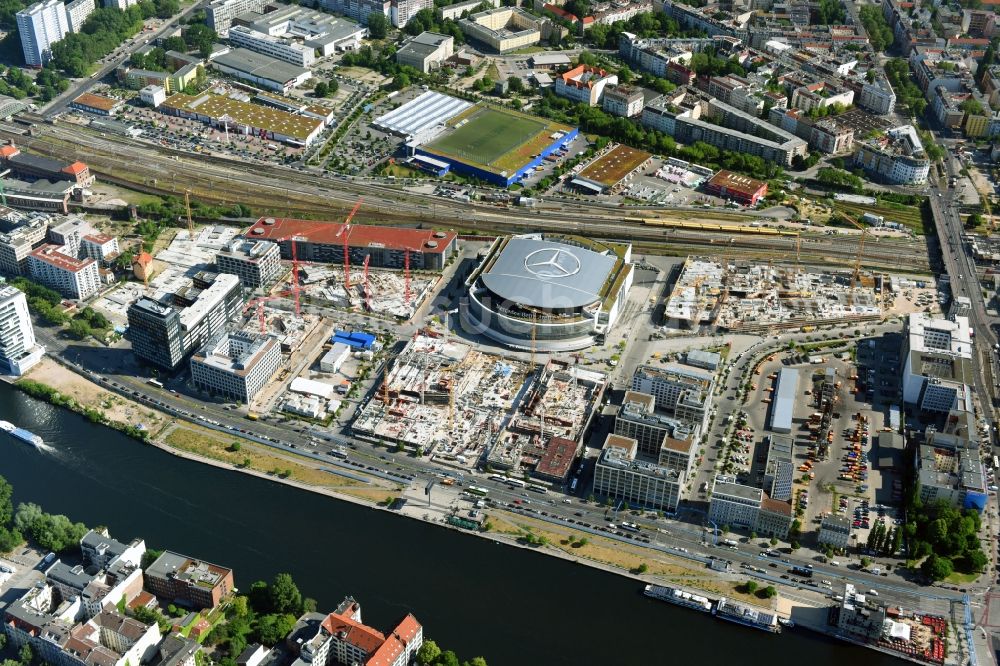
(487, 136)
(960, 578)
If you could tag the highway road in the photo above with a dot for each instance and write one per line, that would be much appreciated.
(964, 279)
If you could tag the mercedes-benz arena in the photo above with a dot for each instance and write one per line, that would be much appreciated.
(555, 292)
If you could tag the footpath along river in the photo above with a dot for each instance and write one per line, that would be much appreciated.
(510, 605)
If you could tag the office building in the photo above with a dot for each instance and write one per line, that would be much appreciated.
(256, 263)
(685, 393)
(835, 531)
(275, 47)
(77, 12)
(584, 84)
(190, 582)
(660, 437)
(73, 278)
(736, 505)
(40, 26)
(860, 617)
(18, 349)
(163, 332)
(426, 51)
(219, 14)
(101, 551)
(342, 638)
(619, 475)
(779, 467)
(937, 365)
(236, 366)
(296, 34)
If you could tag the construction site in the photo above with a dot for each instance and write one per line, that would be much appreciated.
(445, 398)
(742, 296)
(549, 425)
(380, 292)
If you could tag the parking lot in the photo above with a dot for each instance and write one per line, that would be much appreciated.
(19, 571)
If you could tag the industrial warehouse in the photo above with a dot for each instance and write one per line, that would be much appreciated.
(549, 292)
(384, 247)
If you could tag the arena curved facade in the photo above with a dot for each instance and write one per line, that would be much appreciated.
(565, 291)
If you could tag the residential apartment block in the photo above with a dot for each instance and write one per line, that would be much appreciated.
(100, 247)
(835, 531)
(896, 157)
(18, 349)
(181, 579)
(73, 278)
(624, 101)
(40, 26)
(584, 84)
(256, 263)
(236, 366)
(17, 244)
(77, 12)
(342, 638)
(504, 29)
(219, 14)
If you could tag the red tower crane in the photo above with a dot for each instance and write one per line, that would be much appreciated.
(345, 233)
(259, 304)
(368, 291)
(406, 276)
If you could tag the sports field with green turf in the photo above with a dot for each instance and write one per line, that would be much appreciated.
(497, 141)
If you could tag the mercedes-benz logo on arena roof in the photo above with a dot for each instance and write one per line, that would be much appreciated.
(552, 262)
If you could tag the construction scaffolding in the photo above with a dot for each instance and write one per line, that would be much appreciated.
(433, 378)
(739, 295)
(550, 421)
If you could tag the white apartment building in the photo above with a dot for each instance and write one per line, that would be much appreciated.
(71, 277)
(18, 349)
(40, 26)
(255, 263)
(402, 11)
(624, 101)
(77, 12)
(101, 247)
(584, 84)
(236, 365)
(120, 4)
(937, 369)
(219, 14)
(897, 157)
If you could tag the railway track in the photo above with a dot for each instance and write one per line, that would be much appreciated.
(284, 191)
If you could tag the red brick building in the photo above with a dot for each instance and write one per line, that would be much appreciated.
(741, 189)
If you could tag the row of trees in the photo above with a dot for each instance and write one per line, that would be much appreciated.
(104, 31)
(879, 33)
(946, 536)
(266, 615)
(883, 540)
(897, 71)
(430, 654)
(42, 301)
(53, 532)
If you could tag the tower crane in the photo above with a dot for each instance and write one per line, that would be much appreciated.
(861, 248)
(187, 205)
(345, 232)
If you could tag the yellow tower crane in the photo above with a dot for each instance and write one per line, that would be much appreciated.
(861, 248)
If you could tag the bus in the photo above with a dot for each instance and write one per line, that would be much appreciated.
(537, 488)
(572, 484)
(629, 527)
(801, 571)
(996, 462)
(476, 490)
(154, 382)
(515, 483)
(497, 477)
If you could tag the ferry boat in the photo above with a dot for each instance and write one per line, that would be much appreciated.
(21, 434)
(749, 616)
(680, 597)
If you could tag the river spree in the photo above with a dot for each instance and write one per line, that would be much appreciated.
(472, 595)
